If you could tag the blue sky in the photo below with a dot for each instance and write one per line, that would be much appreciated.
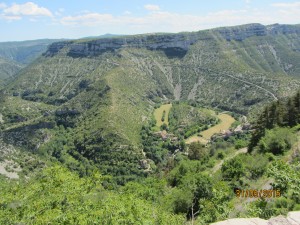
(27, 20)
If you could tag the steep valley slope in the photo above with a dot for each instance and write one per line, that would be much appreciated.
(16, 55)
(103, 91)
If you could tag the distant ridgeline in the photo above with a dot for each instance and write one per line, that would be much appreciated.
(16, 55)
(174, 45)
(98, 94)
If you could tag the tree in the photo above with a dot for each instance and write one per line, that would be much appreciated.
(197, 151)
(291, 113)
(2, 96)
(233, 169)
(277, 141)
(163, 116)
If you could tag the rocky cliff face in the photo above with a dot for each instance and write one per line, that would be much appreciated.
(174, 45)
(240, 33)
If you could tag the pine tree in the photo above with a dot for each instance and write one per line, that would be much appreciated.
(297, 106)
(291, 113)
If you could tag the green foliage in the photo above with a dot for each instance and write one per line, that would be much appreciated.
(59, 196)
(163, 116)
(158, 148)
(255, 165)
(286, 181)
(105, 103)
(281, 113)
(196, 194)
(260, 208)
(233, 169)
(164, 127)
(180, 201)
(183, 169)
(240, 143)
(277, 141)
(197, 151)
(186, 120)
(220, 155)
(287, 178)
(218, 206)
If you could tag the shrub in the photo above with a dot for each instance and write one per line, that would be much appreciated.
(233, 169)
(277, 141)
(197, 151)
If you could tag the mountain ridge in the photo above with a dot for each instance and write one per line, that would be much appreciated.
(115, 114)
(160, 41)
(104, 91)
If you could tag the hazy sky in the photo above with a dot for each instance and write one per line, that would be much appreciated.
(24, 20)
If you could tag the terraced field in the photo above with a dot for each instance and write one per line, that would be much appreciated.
(158, 114)
(226, 121)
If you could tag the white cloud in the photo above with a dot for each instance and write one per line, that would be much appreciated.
(127, 13)
(286, 5)
(247, 1)
(10, 18)
(2, 5)
(26, 9)
(59, 12)
(163, 21)
(90, 19)
(152, 7)
(288, 11)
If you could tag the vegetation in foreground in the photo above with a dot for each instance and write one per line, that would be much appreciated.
(92, 111)
(188, 188)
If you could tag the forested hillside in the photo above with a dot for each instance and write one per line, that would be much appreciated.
(192, 189)
(153, 129)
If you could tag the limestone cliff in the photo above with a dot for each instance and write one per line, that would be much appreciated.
(174, 45)
(171, 44)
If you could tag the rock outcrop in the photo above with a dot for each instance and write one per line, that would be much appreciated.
(293, 218)
(171, 44)
(240, 33)
(174, 45)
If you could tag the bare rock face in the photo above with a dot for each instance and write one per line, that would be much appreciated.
(173, 45)
(240, 33)
(279, 220)
(243, 221)
(293, 218)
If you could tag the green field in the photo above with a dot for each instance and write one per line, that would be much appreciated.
(226, 121)
(158, 113)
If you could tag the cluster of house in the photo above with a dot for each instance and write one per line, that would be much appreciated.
(243, 128)
(164, 135)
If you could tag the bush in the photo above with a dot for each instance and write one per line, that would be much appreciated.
(255, 165)
(233, 169)
(197, 151)
(240, 143)
(221, 155)
(277, 141)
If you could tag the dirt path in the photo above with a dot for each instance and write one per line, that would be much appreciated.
(247, 82)
(219, 165)
(228, 75)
